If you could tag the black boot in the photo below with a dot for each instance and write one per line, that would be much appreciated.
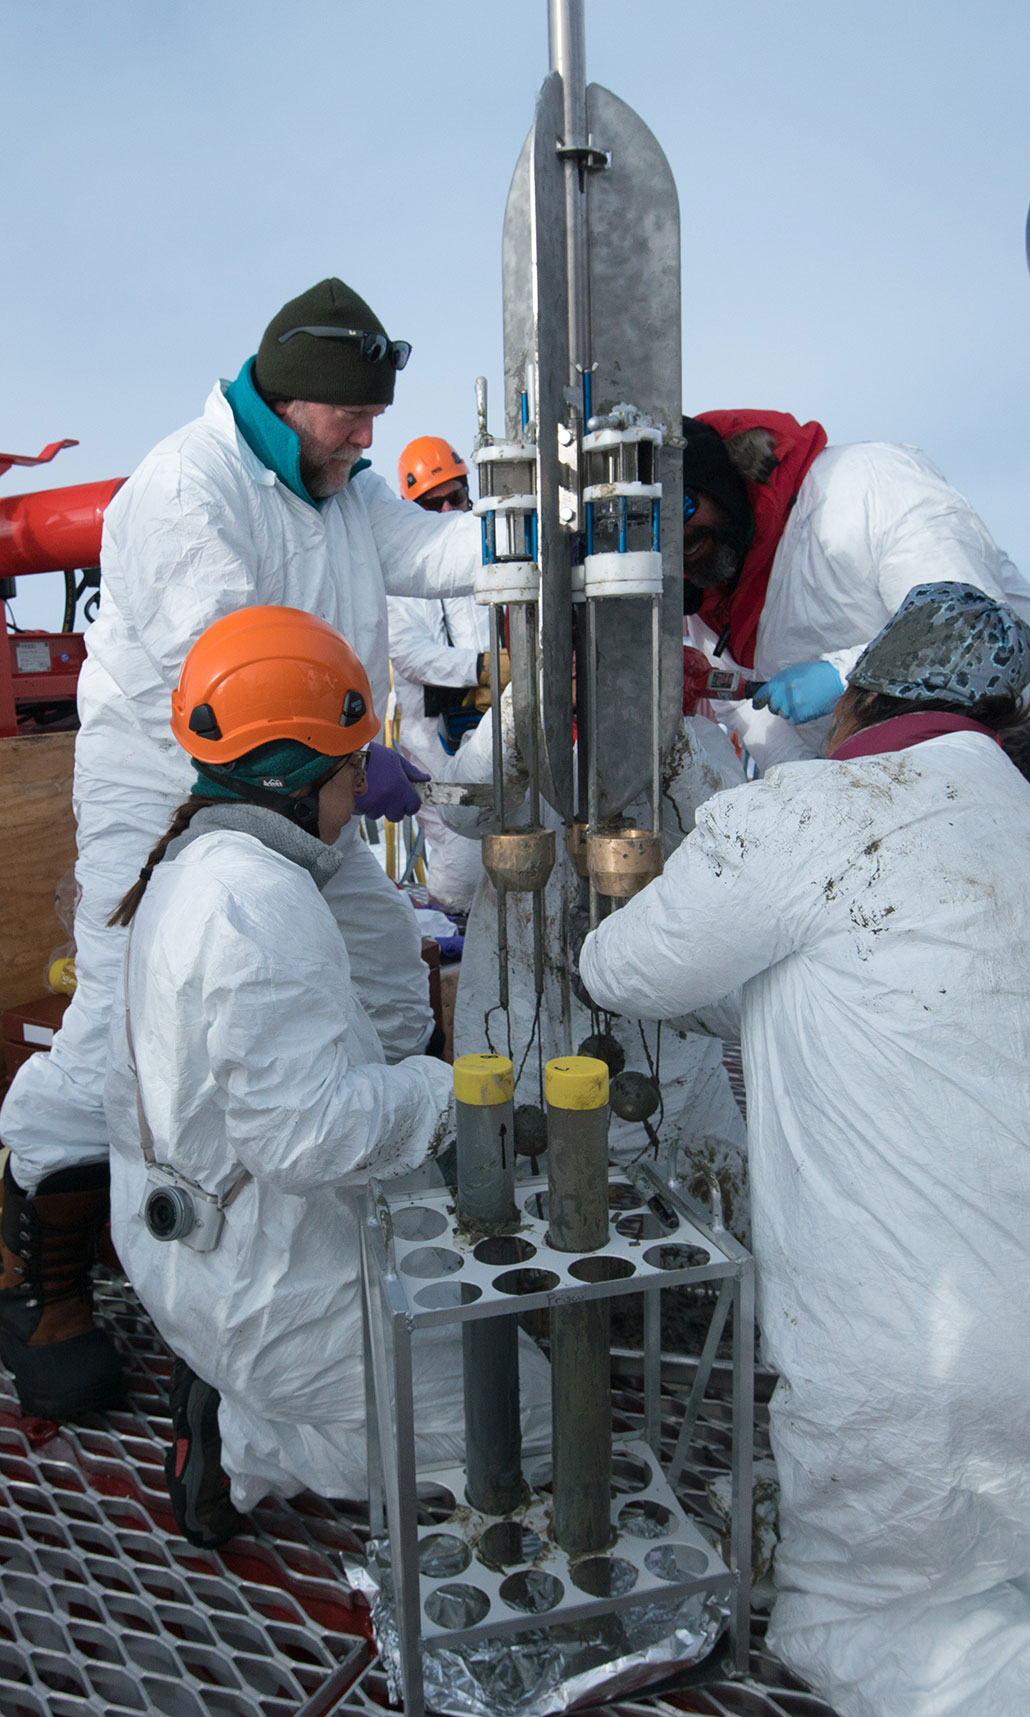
(197, 1486)
(61, 1363)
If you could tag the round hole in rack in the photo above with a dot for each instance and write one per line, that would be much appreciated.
(676, 1561)
(532, 1590)
(457, 1606)
(643, 1225)
(623, 1197)
(677, 1257)
(629, 1474)
(601, 1267)
(526, 1282)
(539, 1474)
(440, 1296)
(432, 1261)
(604, 1576)
(508, 1542)
(441, 1555)
(418, 1222)
(435, 1502)
(644, 1518)
(536, 1206)
(504, 1249)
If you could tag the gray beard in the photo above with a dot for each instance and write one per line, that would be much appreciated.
(322, 482)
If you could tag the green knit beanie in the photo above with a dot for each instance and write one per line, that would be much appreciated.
(316, 366)
(281, 766)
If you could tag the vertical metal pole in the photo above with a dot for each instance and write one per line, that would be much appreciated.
(576, 1089)
(653, 1367)
(593, 792)
(497, 734)
(656, 717)
(742, 1476)
(407, 1592)
(498, 763)
(390, 1352)
(568, 56)
(484, 1087)
(533, 769)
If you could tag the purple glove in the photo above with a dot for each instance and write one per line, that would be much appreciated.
(388, 790)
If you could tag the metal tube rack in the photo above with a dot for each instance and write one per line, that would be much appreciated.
(420, 1271)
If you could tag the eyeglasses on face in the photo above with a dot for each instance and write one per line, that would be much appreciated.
(373, 347)
(689, 504)
(357, 763)
(456, 501)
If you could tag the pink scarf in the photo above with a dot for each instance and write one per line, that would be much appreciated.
(901, 731)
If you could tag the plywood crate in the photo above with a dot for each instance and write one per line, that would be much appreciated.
(37, 846)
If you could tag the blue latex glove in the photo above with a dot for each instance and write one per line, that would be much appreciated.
(388, 790)
(801, 693)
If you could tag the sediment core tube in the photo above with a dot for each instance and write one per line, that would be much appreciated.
(576, 1092)
(484, 1088)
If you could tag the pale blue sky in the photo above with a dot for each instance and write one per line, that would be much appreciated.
(853, 183)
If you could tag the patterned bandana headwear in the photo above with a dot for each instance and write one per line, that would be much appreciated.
(948, 643)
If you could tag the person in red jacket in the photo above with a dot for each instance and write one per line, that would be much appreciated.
(795, 553)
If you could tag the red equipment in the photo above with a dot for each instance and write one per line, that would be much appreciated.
(54, 530)
(701, 680)
(44, 458)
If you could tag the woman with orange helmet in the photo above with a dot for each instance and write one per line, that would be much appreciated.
(248, 1093)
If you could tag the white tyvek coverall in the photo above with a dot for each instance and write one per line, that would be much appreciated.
(870, 521)
(875, 914)
(200, 529)
(253, 1050)
(702, 1127)
(437, 644)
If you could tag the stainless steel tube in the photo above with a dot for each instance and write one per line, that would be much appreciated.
(576, 1091)
(568, 56)
(484, 1092)
(484, 1089)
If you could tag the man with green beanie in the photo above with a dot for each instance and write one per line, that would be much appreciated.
(265, 498)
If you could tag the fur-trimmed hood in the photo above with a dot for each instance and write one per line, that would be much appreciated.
(772, 452)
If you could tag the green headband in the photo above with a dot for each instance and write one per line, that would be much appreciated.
(282, 766)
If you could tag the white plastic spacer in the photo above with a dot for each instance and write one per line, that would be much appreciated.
(504, 504)
(638, 573)
(598, 439)
(508, 581)
(635, 491)
(504, 453)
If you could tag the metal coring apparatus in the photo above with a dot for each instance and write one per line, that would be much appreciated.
(580, 505)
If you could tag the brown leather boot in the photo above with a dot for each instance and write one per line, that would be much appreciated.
(61, 1363)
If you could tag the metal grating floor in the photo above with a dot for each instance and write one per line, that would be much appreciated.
(107, 1612)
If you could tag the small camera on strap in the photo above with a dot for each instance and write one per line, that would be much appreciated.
(174, 1209)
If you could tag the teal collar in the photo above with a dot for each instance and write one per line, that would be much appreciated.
(273, 441)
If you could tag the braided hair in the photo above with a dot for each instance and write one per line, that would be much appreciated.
(125, 911)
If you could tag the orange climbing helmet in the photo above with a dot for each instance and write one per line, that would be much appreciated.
(425, 462)
(267, 673)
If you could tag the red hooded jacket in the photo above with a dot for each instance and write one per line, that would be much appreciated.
(796, 445)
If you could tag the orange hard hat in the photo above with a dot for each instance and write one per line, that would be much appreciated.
(425, 462)
(266, 673)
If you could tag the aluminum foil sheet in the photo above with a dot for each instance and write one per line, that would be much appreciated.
(553, 1669)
